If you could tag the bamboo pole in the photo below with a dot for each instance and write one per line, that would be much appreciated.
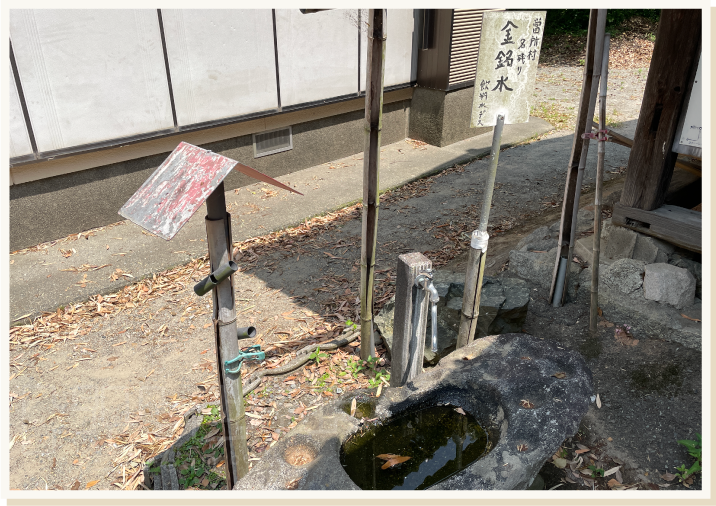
(371, 163)
(563, 274)
(218, 234)
(478, 249)
(594, 303)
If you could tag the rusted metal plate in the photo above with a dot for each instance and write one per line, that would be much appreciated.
(179, 186)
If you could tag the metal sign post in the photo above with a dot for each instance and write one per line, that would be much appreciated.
(506, 71)
(162, 205)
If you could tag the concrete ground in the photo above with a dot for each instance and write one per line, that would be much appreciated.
(52, 275)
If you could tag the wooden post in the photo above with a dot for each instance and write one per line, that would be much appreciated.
(596, 240)
(218, 234)
(371, 163)
(673, 63)
(408, 327)
(595, 36)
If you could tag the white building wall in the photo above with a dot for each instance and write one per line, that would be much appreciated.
(90, 75)
(317, 55)
(19, 138)
(222, 63)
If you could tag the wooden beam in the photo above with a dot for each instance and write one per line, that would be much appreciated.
(673, 63)
(677, 225)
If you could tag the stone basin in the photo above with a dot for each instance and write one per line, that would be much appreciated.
(489, 379)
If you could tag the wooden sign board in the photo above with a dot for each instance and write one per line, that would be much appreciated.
(688, 140)
(510, 44)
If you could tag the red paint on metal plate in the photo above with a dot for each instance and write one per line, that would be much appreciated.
(179, 186)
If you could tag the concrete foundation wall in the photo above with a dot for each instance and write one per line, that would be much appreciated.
(442, 118)
(55, 207)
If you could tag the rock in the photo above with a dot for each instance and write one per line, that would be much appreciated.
(513, 312)
(585, 222)
(503, 309)
(487, 379)
(617, 242)
(625, 275)
(170, 481)
(158, 482)
(539, 234)
(541, 245)
(583, 249)
(538, 268)
(694, 268)
(669, 284)
(651, 250)
(491, 300)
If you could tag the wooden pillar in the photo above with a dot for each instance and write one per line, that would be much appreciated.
(651, 162)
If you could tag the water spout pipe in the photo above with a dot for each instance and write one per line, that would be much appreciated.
(223, 272)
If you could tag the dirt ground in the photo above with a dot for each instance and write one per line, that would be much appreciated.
(90, 406)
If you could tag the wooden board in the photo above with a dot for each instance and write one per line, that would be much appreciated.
(676, 225)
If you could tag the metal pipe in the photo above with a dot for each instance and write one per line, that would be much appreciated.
(220, 274)
(246, 332)
(559, 287)
(434, 299)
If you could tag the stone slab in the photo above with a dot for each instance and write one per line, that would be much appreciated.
(487, 379)
(616, 242)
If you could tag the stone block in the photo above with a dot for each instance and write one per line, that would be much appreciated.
(583, 248)
(617, 242)
(669, 284)
(170, 480)
(694, 268)
(513, 311)
(651, 250)
(625, 275)
(491, 300)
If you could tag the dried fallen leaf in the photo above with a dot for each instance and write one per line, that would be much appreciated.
(613, 483)
(560, 375)
(581, 451)
(623, 336)
(668, 476)
(386, 456)
(526, 404)
(91, 484)
(394, 462)
(522, 448)
(559, 462)
(611, 471)
(459, 410)
(353, 407)
(75, 485)
(380, 389)
(689, 318)
(599, 402)
(293, 484)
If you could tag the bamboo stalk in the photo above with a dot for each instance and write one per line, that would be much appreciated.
(598, 46)
(371, 164)
(478, 252)
(596, 241)
(218, 232)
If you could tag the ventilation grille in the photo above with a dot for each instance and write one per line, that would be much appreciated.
(275, 141)
(465, 44)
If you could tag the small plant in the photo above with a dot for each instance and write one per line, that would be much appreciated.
(317, 355)
(581, 62)
(349, 323)
(694, 449)
(562, 453)
(597, 472)
(355, 367)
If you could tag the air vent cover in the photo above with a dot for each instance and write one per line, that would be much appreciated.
(273, 141)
